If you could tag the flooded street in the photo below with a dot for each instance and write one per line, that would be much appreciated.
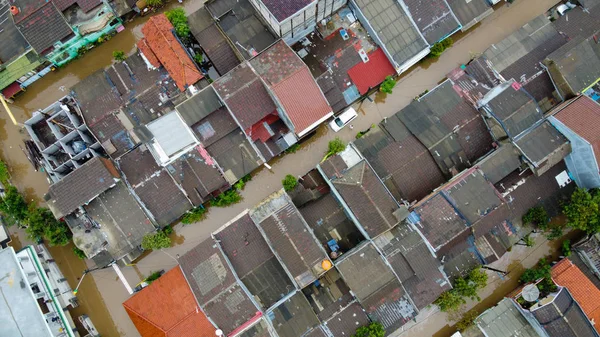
(102, 294)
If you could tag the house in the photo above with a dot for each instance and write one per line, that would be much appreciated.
(402, 162)
(255, 110)
(519, 56)
(394, 31)
(347, 320)
(153, 187)
(568, 275)
(435, 20)
(220, 295)
(81, 186)
(577, 121)
(329, 296)
(167, 307)
(376, 287)
(450, 128)
(253, 261)
(287, 76)
(360, 190)
(33, 304)
(171, 138)
(219, 135)
(293, 317)
(575, 66)
(543, 147)
(164, 46)
(418, 269)
(213, 41)
(500, 163)
(469, 13)
(289, 237)
(503, 320)
(291, 20)
(243, 26)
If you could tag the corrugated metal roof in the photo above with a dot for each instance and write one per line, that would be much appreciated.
(171, 133)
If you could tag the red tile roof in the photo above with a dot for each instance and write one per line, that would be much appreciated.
(168, 308)
(568, 275)
(583, 117)
(147, 52)
(171, 54)
(371, 74)
(291, 81)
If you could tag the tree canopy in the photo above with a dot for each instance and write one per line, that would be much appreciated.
(43, 225)
(180, 21)
(582, 210)
(375, 329)
(156, 240)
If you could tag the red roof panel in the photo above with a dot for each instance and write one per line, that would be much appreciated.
(371, 74)
(148, 53)
(583, 117)
(171, 54)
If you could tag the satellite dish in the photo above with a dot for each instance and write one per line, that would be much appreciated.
(530, 293)
(219, 332)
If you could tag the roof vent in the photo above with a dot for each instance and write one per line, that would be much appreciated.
(14, 10)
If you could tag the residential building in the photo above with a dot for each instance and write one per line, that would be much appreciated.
(469, 13)
(347, 320)
(293, 317)
(171, 138)
(160, 44)
(330, 297)
(435, 20)
(167, 307)
(291, 20)
(36, 300)
(393, 30)
(287, 76)
(503, 320)
(568, 275)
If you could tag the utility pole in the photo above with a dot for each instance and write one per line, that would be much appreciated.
(10, 114)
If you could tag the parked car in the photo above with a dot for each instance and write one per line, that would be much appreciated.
(343, 119)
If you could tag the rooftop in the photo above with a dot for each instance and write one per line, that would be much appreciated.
(234, 153)
(294, 317)
(504, 320)
(418, 269)
(215, 287)
(471, 12)
(41, 23)
(167, 307)
(460, 255)
(587, 295)
(403, 163)
(291, 81)
(283, 9)
(500, 163)
(245, 95)
(94, 106)
(434, 18)
(85, 5)
(171, 137)
(158, 32)
(18, 298)
(438, 221)
(367, 198)
(542, 142)
(12, 43)
(578, 62)
(579, 22)
(199, 106)
(329, 295)
(81, 186)
(253, 261)
(370, 74)
(561, 315)
(288, 235)
(213, 41)
(346, 321)
(582, 116)
(394, 28)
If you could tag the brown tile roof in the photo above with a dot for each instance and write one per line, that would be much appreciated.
(583, 117)
(294, 85)
(147, 52)
(568, 275)
(85, 5)
(439, 221)
(159, 35)
(41, 23)
(168, 308)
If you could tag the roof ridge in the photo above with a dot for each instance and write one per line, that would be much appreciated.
(129, 308)
(196, 311)
(287, 77)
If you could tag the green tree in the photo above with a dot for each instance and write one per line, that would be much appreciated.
(195, 215)
(467, 320)
(119, 55)
(156, 240)
(289, 182)
(153, 277)
(226, 198)
(439, 47)
(154, 3)
(582, 211)
(79, 253)
(542, 270)
(537, 216)
(375, 329)
(566, 248)
(388, 84)
(198, 58)
(478, 277)
(13, 205)
(180, 21)
(168, 230)
(43, 225)
(450, 301)
(335, 146)
(4, 174)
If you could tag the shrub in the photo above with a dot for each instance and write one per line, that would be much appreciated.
(566, 248)
(4, 174)
(293, 148)
(335, 146)
(541, 270)
(180, 21)
(388, 84)
(467, 320)
(195, 215)
(537, 216)
(439, 47)
(43, 225)
(375, 329)
(156, 240)
(528, 240)
(79, 253)
(153, 277)
(13, 205)
(242, 182)
(198, 58)
(119, 55)
(154, 3)
(555, 233)
(226, 198)
(289, 182)
(168, 230)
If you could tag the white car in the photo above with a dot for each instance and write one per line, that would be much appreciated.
(343, 119)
